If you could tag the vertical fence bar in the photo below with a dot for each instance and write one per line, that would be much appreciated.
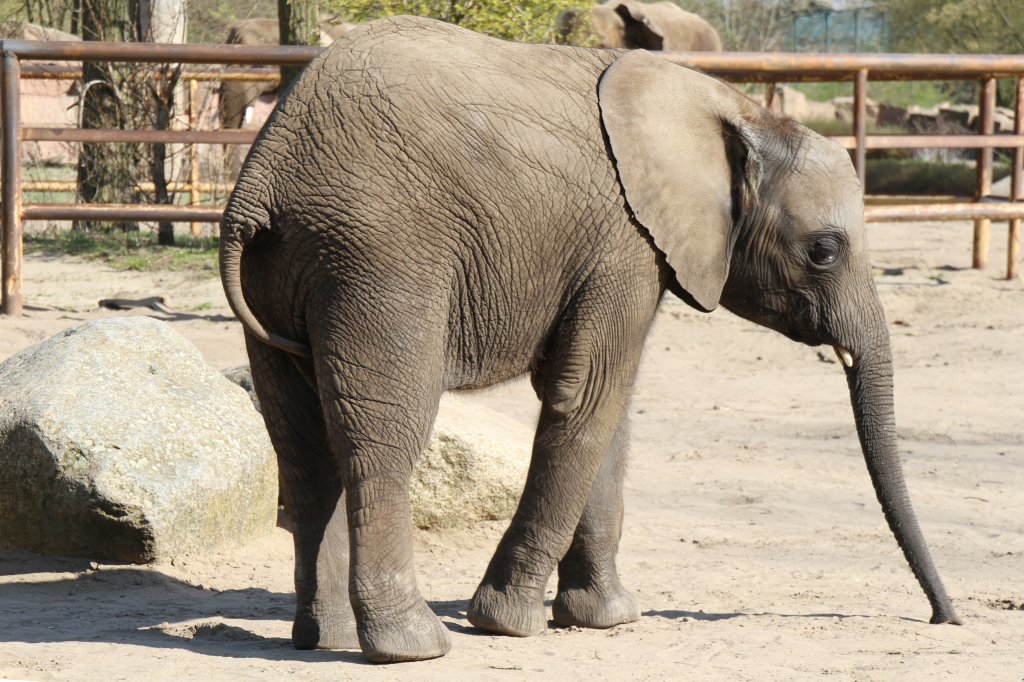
(11, 300)
(193, 152)
(860, 126)
(986, 126)
(1016, 188)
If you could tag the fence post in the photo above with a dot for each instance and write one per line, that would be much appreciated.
(193, 153)
(1016, 189)
(860, 126)
(986, 126)
(11, 300)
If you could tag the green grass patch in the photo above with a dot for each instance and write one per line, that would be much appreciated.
(904, 176)
(833, 126)
(42, 171)
(904, 94)
(138, 251)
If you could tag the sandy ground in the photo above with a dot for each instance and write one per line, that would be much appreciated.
(752, 537)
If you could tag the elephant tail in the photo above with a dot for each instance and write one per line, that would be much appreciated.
(241, 222)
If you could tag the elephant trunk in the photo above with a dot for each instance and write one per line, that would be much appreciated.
(869, 376)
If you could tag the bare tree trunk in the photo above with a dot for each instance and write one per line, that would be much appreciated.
(300, 25)
(106, 172)
(161, 21)
(161, 99)
(122, 96)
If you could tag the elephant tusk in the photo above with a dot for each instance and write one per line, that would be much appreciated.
(844, 356)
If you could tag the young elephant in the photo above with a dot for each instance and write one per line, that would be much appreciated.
(429, 209)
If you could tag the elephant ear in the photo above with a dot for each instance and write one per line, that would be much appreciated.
(640, 30)
(682, 145)
(608, 26)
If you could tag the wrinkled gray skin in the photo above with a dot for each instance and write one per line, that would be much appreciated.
(652, 26)
(429, 209)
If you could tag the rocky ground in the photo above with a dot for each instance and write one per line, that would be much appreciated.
(752, 537)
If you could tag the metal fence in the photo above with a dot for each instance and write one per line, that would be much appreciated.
(770, 68)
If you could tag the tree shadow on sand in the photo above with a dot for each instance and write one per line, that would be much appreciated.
(711, 617)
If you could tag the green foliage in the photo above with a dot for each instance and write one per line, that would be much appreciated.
(136, 251)
(966, 26)
(904, 94)
(49, 13)
(534, 21)
(209, 20)
(958, 26)
(12, 12)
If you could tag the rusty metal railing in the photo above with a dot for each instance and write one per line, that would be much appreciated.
(14, 211)
(770, 68)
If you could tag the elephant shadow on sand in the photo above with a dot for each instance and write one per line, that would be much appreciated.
(145, 607)
(127, 604)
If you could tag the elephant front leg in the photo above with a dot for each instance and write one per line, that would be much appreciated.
(590, 594)
(584, 401)
(589, 591)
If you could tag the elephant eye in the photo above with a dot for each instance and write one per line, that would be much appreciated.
(824, 252)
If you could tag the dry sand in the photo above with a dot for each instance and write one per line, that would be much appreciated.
(752, 536)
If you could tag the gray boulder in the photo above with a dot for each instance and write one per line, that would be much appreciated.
(118, 441)
(242, 376)
(474, 466)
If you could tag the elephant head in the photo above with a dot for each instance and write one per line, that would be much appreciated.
(652, 26)
(766, 218)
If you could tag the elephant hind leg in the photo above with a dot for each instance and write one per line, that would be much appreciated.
(589, 591)
(313, 498)
(380, 394)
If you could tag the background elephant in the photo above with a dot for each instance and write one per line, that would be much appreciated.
(652, 26)
(237, 96)
(429, 209)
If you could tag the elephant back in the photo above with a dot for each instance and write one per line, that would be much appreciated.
(429, 113)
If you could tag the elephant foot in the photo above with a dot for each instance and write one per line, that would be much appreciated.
(417, 635)
(595, 607)
(507, 612)
(315, 629)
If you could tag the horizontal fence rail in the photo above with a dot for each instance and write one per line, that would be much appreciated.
(932, 141)
(125, 212)
(780, 67)
(27, 59)
(144, 136)
(159, 53)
